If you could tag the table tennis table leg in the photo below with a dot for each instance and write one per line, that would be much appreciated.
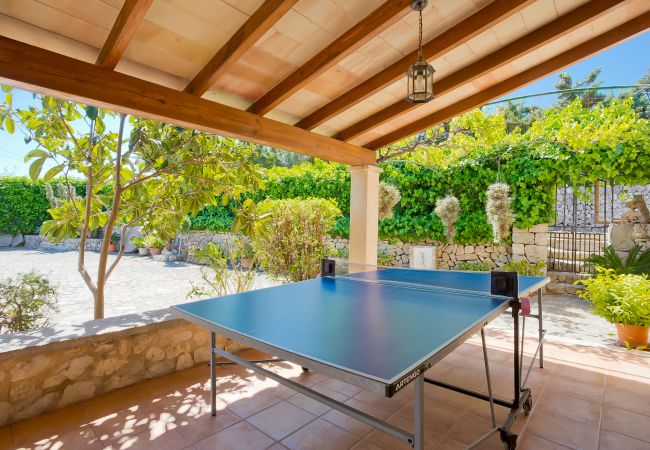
(418, 413)
(540, 329)
(213, 375)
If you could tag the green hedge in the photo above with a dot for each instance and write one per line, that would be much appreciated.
(23, 205)
(531, 172)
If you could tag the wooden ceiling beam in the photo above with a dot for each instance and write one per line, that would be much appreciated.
(35, 69)
(373, 24)
(499, 58)
(128, 20)
(454, 37)
(246, 36)
(559, 62)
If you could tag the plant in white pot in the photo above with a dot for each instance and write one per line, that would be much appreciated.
(142, 247)
(621, 299)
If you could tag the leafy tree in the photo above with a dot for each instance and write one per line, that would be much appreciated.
(589, 98)
(268, 157)
(155, 178)
(26, 302)
(641, 96)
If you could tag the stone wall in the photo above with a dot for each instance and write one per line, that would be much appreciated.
(585, 210)
(447, 255)
(34, 241)
(530, 244)
(186, 241)
(50, 368)
(624, 236)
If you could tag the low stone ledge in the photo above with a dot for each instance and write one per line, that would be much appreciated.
(50, 368)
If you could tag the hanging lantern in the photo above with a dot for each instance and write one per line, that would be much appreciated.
(420, 75)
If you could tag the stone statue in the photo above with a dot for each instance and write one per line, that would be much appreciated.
(638, 212)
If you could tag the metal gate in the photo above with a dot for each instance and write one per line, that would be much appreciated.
(582, 217)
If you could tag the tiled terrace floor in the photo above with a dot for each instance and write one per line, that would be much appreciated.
(585, 397)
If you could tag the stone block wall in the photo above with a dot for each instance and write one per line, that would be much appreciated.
(34, 241)
(624, 236)
(530, 244)
(447, 255)
(39, 373)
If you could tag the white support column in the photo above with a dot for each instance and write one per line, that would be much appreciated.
(364, 214)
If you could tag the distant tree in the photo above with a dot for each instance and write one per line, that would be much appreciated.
(268, 157)
(589, 98)
(519, 115)
(154, 178)
(641, 96)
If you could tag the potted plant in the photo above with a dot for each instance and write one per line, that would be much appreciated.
(247, 254)
(154, 243)
(621, 299)
(115, 238)
(142, 248)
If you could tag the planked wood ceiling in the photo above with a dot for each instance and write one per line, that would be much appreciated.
(331, 66)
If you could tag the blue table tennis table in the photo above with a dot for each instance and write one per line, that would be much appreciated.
(378, 329)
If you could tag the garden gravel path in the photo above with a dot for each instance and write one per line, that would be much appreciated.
(138, 283)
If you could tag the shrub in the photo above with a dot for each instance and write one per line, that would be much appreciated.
(153, 241)
(26, 302)
(523, 267)
(623, 299)
(293, 242)
(384, 259)
(224, 272)
(636, 262)
(474, 266)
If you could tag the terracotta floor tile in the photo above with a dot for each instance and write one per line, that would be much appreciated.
(340, 386)
(580, 389)
(532, 442)
(438, 417)
(629, 401)
(628, 383)
(247, 406)
(347, 423)
(615, 441)
(365, 445)
(280, 420)
(469, 428)
(129, 422)
(83, 437)
(382, 402)
(196, 428)
(242, 435)
(309, 378)
(431, 437)
(169, 440)
(320, 435)
(448, 443)
(446, 396)
(277, 446)
(63, 421)
(625, 422)
(562, 404)
(308, 404)
(6, 440)
(330, 393)
(562, 430)
(481, 408)
(582, 374)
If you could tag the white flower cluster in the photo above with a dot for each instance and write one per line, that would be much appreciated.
(499, 211)
(389, 196)
(447, 208)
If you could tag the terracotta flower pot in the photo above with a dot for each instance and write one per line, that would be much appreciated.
(632, 335)
(155, 251)
(112, 247)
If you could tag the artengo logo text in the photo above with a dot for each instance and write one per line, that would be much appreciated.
(407, 379)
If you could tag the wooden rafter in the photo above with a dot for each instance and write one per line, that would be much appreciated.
(33, 68)
(517, 49)
(246, 36)
(465, 30)
(376, 22)
(576, 54)
(128, 20)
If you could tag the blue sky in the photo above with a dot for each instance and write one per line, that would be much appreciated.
(622, 64)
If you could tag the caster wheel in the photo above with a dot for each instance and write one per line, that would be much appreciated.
(528, 405)
(304, 369)
(509, 440)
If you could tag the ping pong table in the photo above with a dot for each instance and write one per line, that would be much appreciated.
(378, 329)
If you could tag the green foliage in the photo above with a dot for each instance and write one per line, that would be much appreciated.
(636, 262)
(26, 302)
(152, 240)
(474, 266)
(343, 253)
(384, 259)
(213, 218)
(24, 205)
(523, 267)
(623, 299)
(115, 238)
(139, 242)
(293, 243)
(224, 272)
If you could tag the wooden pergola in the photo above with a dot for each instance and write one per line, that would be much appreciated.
(320, 77)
